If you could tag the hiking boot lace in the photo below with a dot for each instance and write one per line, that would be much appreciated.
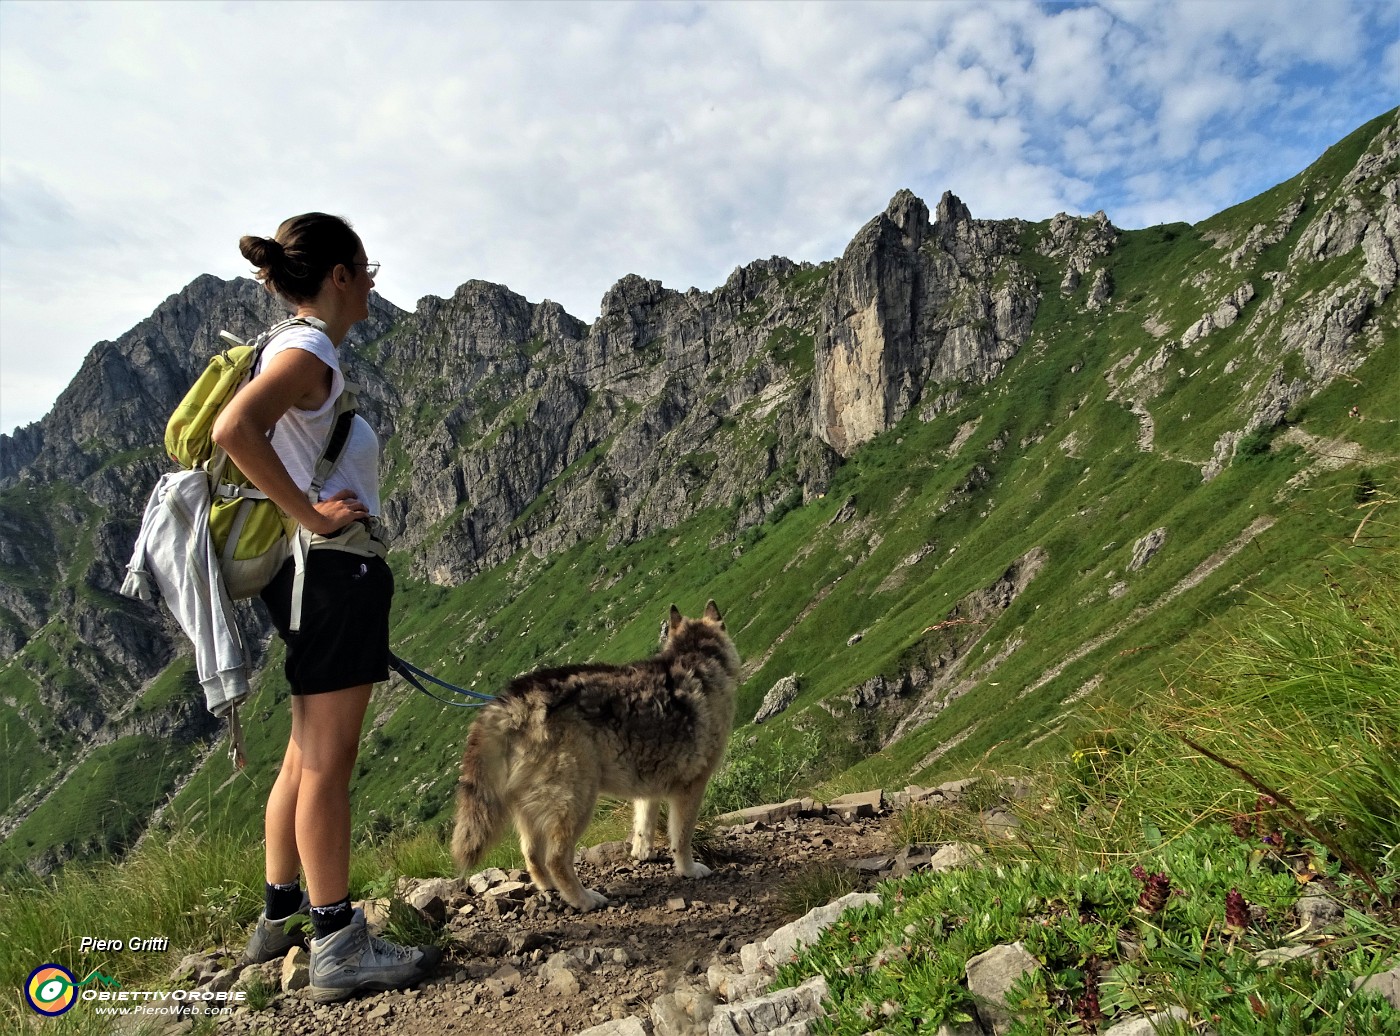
(384, 949)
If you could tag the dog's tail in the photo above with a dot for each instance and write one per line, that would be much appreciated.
(481, 803)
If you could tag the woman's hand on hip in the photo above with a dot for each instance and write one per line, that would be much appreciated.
(338, 511)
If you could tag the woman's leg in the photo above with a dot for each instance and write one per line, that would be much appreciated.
(280, 825)
(325, 740)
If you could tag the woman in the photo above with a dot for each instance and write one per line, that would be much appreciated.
(275, 430)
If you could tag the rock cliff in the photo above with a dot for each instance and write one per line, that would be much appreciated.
(914, 305)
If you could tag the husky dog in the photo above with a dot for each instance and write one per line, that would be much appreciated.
(558, 738)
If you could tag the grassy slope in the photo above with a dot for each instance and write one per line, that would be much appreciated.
(591, 603)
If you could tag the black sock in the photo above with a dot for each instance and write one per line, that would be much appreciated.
(330, 919)
(283, 900)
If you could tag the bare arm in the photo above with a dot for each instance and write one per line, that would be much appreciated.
(291, 378)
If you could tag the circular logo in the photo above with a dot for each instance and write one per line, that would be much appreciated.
(50, 989)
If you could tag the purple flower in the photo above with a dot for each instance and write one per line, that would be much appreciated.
(1236, 912)
(1157, 889)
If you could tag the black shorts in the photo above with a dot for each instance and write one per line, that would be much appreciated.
(344, 636)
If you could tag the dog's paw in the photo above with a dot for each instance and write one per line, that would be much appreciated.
(643, 849)
(693, 870)
(591, 901)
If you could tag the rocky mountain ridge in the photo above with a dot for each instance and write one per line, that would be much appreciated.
(515, 433)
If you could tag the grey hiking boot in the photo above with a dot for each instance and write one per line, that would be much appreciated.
(271, 939)
(351, 961)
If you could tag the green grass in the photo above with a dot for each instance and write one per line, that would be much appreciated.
(1303, 701)
(910, 952)
(102, 804)
(1300, 701)
(26, 764)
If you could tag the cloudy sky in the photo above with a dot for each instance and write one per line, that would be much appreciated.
(555, 147)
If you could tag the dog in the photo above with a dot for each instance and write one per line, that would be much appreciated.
(556, 739)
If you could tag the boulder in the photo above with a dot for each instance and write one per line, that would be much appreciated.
(774, 813)
(806, 930)
(1151, 1025)
(483, 880)
(990, 977)
(777, 1013)
(295, 972)
(1146, 548)
(779, 697)
(1317, 911)
(620, 1027)
(955, 855)
(858, 806)
(1386, 984)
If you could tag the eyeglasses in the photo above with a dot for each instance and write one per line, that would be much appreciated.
(370, 268)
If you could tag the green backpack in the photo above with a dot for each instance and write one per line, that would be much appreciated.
(251, 534)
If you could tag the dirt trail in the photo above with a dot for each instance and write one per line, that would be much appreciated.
(657, 930)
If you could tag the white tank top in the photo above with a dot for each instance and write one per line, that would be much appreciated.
(301, 435)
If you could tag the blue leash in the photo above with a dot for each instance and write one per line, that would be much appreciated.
(411, 673)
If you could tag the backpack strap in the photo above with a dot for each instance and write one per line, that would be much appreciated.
(219, 458)
(263, 340)
(346, 405)
(237, 753)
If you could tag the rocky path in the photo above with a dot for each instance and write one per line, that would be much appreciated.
(521, 964)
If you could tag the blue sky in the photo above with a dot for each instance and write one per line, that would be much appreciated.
(557, 150)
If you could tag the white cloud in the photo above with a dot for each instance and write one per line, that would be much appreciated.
(1390, 67)
(556, 147)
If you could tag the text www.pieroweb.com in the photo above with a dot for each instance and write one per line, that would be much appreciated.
(163, 1002)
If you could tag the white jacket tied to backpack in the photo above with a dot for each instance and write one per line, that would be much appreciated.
(174, 549)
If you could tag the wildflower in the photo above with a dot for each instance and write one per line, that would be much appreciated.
(1243, 825)
(1157, 889)
(1236, 913)
(1263, 822)
(1087, 1006)
(1266, 825)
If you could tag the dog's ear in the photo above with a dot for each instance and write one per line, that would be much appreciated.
(712, 613)
(676, 618)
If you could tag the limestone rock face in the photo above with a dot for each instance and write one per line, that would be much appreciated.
(913, 304)
(1101, 290)
(1082, 244)
(509, 396)
(1362, 213)
(117, 400)
(1361, 216)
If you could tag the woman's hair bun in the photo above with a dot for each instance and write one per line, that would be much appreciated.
(262, 252)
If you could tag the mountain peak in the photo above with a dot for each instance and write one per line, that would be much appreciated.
(908, 212)
(951, 211)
